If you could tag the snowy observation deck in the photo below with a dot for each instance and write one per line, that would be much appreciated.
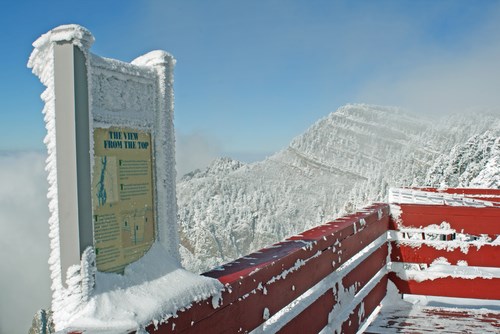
(437, 248)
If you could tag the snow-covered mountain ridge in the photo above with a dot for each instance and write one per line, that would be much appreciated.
(219, 167)
(345, 160)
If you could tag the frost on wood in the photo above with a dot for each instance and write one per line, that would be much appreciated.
(266, 314)
(431, 236)
(348, 298)
(163, 131)
(442, 270)
(414, 196)
(79, 287)
(341, 310)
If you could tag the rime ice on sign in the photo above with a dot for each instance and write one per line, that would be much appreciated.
(110, 142)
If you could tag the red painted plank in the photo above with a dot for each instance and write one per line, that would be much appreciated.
(315, 317)
(370, 302)
(282, 292)
(479, 288)
(322, 237)
(368, 268)
(485, 256)
(470, 220)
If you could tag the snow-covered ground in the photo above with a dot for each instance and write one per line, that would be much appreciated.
(423, 313)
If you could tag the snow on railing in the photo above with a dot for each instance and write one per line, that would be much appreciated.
(332, 278)
(446, 242)
(449, 197)
(329, 278)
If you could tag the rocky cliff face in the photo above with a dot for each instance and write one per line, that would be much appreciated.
(344, 161)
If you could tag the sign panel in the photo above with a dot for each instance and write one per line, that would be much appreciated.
(122, 197)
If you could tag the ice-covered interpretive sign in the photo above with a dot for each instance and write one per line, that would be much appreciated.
(111, 172)
(111, 151)
(122, 197)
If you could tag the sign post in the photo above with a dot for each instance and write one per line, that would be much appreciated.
(72, 144)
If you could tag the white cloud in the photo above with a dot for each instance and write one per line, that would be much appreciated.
(195, 151)
(24, 241)
(445, 78)
(25, 277)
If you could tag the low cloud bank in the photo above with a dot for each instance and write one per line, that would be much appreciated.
(438, 78)
(24, 240)
(195, 151)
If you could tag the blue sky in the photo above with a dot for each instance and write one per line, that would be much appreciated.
(251, 75)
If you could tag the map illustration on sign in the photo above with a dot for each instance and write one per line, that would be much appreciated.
(122, 194)
(107, 187)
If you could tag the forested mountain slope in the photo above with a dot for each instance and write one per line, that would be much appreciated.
(344, 161)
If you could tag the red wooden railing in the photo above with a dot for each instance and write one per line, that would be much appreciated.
(333, 277)
(464, 245)
(326, 262)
